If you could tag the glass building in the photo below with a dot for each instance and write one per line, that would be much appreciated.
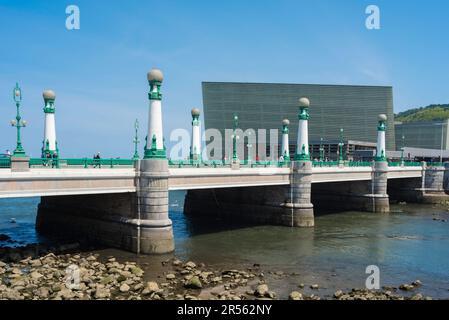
(332, 107)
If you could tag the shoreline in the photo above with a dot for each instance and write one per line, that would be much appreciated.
(47, 275)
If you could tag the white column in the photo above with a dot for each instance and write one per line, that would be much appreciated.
(195, 146)
(302, 146)
(285, 150)
(49, 124)
(155, 124)
(381, 150)
(50, 131)
(155, 78)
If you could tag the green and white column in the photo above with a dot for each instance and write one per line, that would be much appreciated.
(381, 127)
(195, 146)
(153, 228)
(379, 201)
(298, 208)
(285, 151)
(155, 148)
(49, 144)
(302, 145)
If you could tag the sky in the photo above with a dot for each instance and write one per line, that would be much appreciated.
(99, 71)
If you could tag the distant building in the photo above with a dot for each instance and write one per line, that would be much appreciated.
(425, 134)
(265, 105)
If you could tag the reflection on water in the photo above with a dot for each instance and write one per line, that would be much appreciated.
(407, 245)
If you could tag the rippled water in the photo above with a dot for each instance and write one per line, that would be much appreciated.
(406, 245)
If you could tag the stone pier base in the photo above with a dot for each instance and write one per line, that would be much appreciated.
(430, 188)
(136, 222)
(103, 219)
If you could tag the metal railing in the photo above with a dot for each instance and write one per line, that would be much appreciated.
(406, 164)
(80, 162)
(5, 163)
(325, 163)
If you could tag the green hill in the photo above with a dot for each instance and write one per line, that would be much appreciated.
(429, 113)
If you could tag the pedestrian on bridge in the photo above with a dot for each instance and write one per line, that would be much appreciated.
(97, 160)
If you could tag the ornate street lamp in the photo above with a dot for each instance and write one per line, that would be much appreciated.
(340, 145)
(321, 150)
(402, 150)
(18, 122)
(136, 140)
(234, 139)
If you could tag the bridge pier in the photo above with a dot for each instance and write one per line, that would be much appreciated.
(134, 221)
(298, 208)
(153, 225)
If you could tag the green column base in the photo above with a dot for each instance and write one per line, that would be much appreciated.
(155, 154)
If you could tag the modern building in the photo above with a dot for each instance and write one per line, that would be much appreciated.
(423, 134)
(332, 107)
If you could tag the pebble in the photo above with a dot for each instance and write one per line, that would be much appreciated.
(124, 288)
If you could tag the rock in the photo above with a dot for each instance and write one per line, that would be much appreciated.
(194, 283)
(138, 287)
(66, 294)
(170, 276)
(301, 285)
(190, 265)
(314, 286)
(406, 287)
(91, 258)
(124, 288)
(107, 280)
(152, 286)
(102, 293)
(43, 292)
(176, 262)
(261, 290)
(35, 263)
(417, 283)
(417, 296)
(4, 237)
(36, 275)
(338, 294)
(136, 271)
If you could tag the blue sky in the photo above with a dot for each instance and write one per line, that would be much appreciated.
(99, 71)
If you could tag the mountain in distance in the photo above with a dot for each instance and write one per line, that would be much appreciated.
(430, 113)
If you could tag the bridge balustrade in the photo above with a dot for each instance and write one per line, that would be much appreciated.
(80, 163)
(5, 163)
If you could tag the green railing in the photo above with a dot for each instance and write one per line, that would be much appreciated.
(360, 163)
(80, 162)
(435, 164)
(5, 163)
(325, 163)
(406, 164)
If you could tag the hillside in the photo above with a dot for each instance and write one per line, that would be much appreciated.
(429, 113)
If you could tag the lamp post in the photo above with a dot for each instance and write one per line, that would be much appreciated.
(18, 122)
(321, 150)
(402, 150)
(340, 146)
(136, 140)
(234, 139)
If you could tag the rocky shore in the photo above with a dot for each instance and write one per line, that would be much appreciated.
(39, 275)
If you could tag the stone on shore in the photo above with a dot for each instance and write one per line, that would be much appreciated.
(194, 283)
(295, 295)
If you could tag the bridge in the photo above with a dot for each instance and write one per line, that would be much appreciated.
(124, 202)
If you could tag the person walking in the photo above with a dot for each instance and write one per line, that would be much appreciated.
(97, 160)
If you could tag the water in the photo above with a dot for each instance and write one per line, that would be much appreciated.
(406, 245)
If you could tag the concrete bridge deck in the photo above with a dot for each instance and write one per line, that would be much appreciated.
(80, 181)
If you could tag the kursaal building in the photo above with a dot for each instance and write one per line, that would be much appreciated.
(267, 105)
